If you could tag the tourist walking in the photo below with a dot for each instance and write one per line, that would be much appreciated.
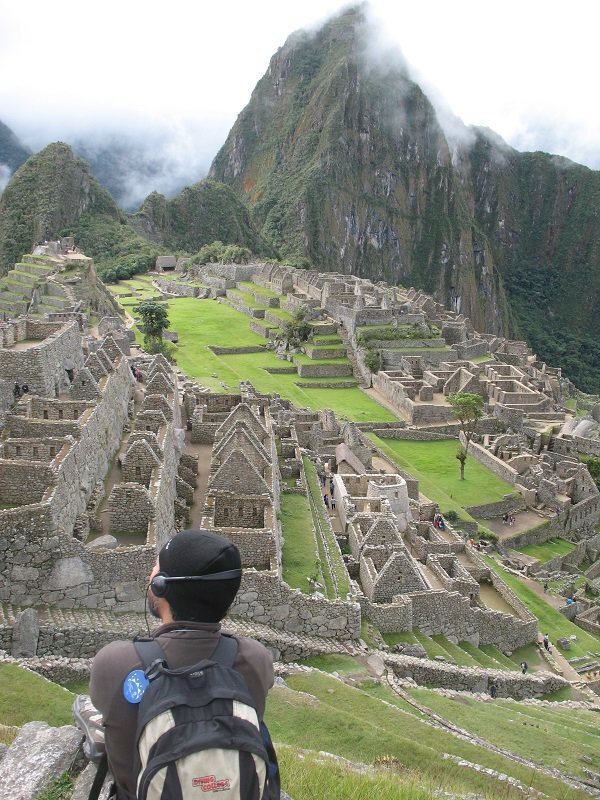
(16, 390)
(546, 641)
(332, 503)
(524, 667)
(493, 691)
(326, 500)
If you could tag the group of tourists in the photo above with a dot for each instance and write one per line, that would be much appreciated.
(508, 519)
(438, 522)
(19, 390)
(328, 499)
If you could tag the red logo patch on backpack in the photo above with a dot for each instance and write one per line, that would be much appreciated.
(209, 783)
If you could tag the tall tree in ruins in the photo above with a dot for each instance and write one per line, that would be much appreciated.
(468, 408)
(155, 319)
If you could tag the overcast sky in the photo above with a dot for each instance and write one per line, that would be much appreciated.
(527, 69)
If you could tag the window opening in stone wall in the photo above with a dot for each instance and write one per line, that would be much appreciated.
(138, 472)
(18, 450)
(226, 513)
(52, 452)
(75, 413)
(60, 413)
(45, 414)
(35, 452)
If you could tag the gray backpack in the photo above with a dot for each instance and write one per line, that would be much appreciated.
(198, 732)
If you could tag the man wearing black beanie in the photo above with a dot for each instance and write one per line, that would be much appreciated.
(190, 611)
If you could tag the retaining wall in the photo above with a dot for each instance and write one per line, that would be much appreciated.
(474, 679)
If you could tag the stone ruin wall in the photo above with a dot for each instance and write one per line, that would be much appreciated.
(451, 615)
(43, 562)
(43, 366)
(473, 679)
(264, 598)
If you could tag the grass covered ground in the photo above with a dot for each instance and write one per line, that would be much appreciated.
(536, 734)
(25, 697)
(547, 550)
(550, 620)
(370, 724)
(201, 323)
(338, 566)
(300, 546)
(435, 465)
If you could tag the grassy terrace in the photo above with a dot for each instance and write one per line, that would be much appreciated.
(254, 287)
(281, 314)
(368, 723)
(465, 654)
(337, 561)
(435, 466)
(550, 620)
(547, 550)
(247, 299)
(25, 696)
(300, 546)
(201, 323)
(302, 358)
(509, 725)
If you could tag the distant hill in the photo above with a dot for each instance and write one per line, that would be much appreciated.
(13, 152)
(343, 161)
(200, 214)
(54, 194)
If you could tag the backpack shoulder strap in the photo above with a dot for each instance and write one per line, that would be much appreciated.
(149, 652)
(226, 650)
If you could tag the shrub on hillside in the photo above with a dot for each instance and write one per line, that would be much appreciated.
(217, 252)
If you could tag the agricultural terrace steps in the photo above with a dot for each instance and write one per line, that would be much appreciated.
(130, 624)
(438, 721)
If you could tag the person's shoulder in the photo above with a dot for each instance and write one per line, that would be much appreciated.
(114, 653)
(254, 654)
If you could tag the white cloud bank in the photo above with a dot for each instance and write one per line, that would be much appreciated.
(181, 71)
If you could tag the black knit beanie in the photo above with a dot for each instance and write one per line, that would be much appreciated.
(197, 552)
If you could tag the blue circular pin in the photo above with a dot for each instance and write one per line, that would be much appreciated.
(134, 686)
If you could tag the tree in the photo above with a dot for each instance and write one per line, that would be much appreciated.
(155, 319)
(297, 330)
(468, 408)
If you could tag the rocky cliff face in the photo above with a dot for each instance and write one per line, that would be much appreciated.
(343, 162)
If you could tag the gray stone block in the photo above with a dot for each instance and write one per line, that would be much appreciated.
(26, 632)
(38, 755)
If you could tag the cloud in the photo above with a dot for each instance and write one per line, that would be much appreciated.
(5, 173)
(175, 76)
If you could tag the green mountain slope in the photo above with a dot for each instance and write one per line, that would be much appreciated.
(54, 194)
(51, 192)
(343, 161)
(200, 214)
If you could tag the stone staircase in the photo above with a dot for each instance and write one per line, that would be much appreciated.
(26, 288)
